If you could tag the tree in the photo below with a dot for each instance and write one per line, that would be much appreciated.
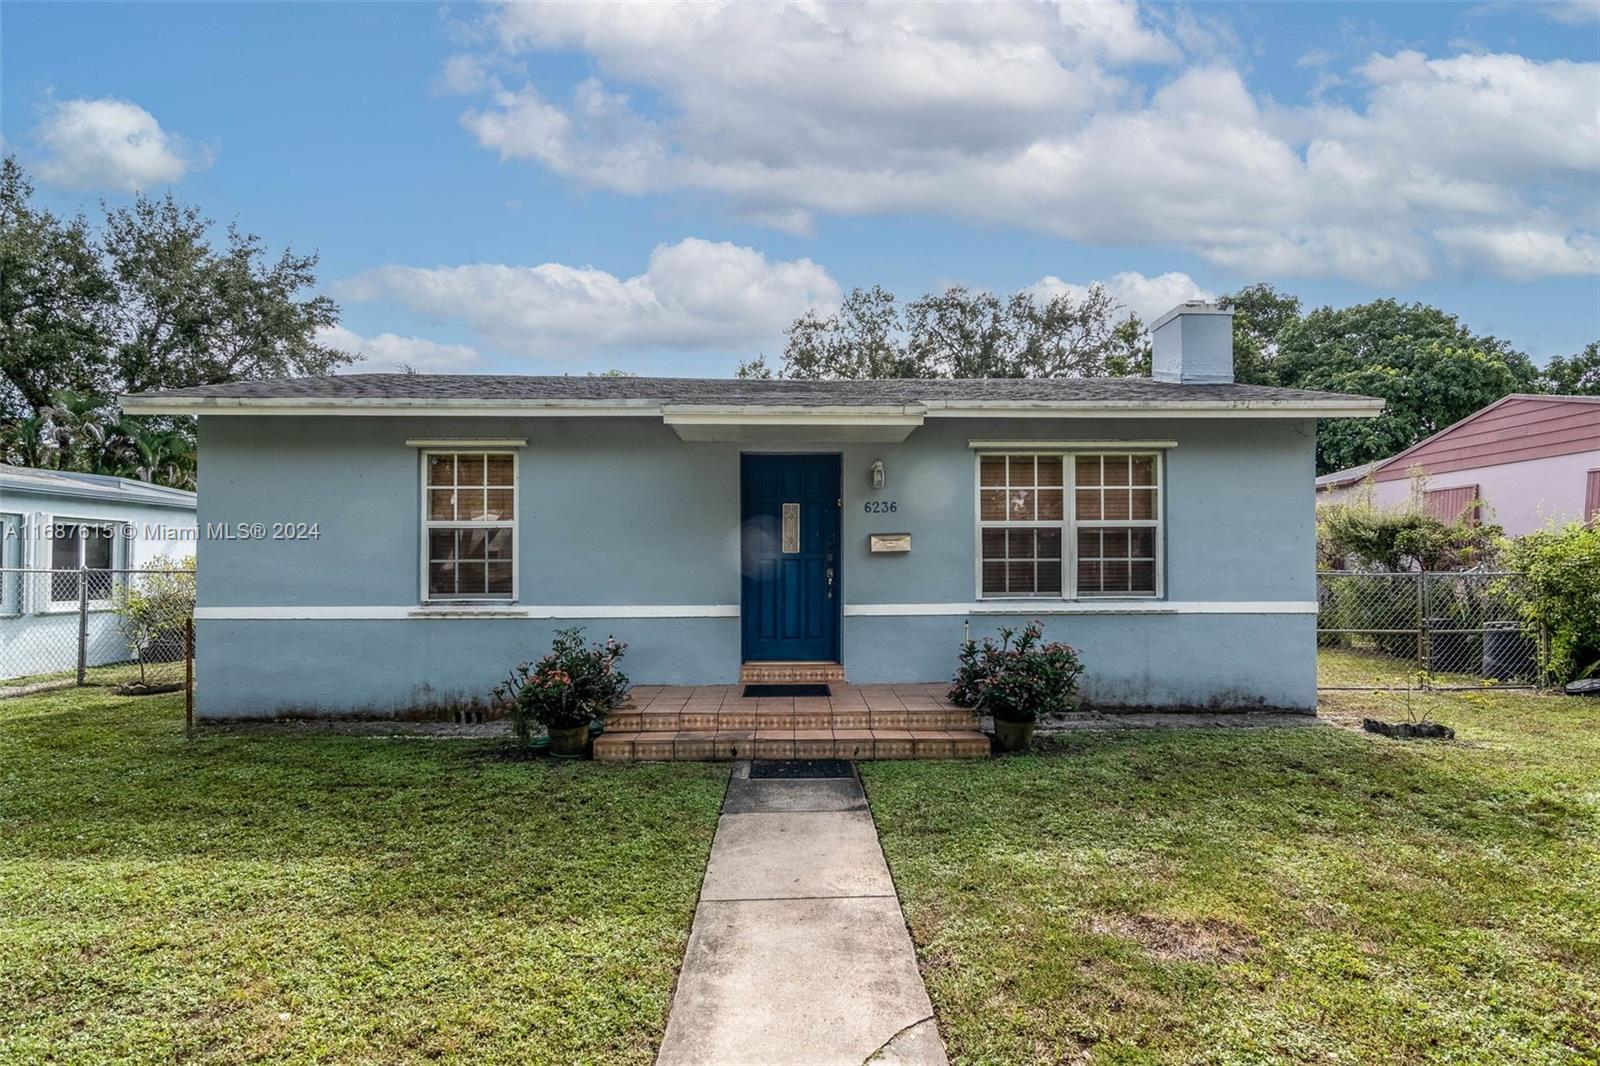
(1260, 315)
(865, 338)
(187, 314)
(146, 303)
(1429, 368)
(963, 334)
(55, 299)
(1576, 375)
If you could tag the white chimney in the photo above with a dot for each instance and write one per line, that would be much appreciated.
(1192, 344)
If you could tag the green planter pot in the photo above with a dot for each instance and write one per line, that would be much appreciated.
(569, 742)
(1012, 736)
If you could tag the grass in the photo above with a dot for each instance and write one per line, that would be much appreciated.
(1371, 668)
(298, 898)
(1309, 895)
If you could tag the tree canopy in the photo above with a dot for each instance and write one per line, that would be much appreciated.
(146, 301)
(961, 333)
(1576, 375)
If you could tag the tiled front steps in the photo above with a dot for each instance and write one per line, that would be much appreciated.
(718, 723)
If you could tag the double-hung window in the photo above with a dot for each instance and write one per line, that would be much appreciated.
(87, 545)
(469, 517)
(1067, 525)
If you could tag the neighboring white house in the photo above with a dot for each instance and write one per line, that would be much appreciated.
(52, 525)
(1523, 462)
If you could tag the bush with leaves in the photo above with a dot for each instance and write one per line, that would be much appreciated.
(1017, 678)
(1399, 540)
(569, 687)
(1560, 594)
(154, 608)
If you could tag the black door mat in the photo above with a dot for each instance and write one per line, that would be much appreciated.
(795, 769)
(786, 690)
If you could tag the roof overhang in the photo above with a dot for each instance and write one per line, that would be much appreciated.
(754, 415)
(846, 425)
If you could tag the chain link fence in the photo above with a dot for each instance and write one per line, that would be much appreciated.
(1452, 630)
(130, 629)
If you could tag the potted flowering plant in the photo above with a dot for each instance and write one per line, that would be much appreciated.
(1016, 680)
(564, 691)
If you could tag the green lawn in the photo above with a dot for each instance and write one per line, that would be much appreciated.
(298, 898)
(1265, 895)
(1371, 668)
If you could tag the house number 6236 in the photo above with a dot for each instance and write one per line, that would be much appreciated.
(882, 506)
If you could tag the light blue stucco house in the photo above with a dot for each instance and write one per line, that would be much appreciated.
(383, 543)
(54, 522)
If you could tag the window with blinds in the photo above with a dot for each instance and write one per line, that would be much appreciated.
(1069, 525)
(470, 525)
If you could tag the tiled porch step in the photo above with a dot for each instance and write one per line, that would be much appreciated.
(754, 717)
(705, 745)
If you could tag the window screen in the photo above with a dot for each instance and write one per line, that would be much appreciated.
(1101, 511)
(469, 517)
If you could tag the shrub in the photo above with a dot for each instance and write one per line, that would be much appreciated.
(1016, 678)
(1399, 540)
(569, 687)
(1561, 593)
(153, 608)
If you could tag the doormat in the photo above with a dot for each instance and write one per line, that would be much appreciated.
(786, 690)
(800, 768)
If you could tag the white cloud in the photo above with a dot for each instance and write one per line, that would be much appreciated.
(1573, 12)
(1523, 254)
(694, 294)
(388, 352)
(110, 144)
(1147, 297)
(1036, 116)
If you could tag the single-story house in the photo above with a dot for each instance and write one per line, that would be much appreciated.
(54, 522)
(377, 543)
(1522, 462)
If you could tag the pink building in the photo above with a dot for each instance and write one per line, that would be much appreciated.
(1522, 462)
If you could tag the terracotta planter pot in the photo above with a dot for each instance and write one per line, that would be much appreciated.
(1012, 736)
(569, 742)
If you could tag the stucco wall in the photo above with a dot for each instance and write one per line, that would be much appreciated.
(1521, 497)
(619, 512)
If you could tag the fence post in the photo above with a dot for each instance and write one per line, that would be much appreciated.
(188, 676)
(1422, 627)
(83, 625)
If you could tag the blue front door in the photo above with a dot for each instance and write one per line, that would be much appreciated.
(790, 557)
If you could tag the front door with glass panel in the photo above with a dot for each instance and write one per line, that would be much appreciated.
(790, 558)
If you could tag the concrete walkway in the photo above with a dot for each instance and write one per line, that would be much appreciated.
(799, 953)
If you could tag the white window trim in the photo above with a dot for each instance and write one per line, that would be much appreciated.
(1069, 525)
(11, 558)
(119, 540)
(424, 525)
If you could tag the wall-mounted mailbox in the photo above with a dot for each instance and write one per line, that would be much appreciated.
(889, 542)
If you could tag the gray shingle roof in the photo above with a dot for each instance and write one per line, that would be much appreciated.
(513, 389)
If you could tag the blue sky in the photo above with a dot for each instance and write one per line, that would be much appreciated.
(566, 188)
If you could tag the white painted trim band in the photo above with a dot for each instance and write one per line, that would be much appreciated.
(731, 610)
(467, 442)
(986, 607)
(156, 404)
(1068, 445)
(509, 610)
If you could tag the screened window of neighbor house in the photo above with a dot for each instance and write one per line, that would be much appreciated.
(1069, 525)
(469, 520)
(81, 544)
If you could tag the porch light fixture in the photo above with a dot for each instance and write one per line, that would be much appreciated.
(877, 474)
